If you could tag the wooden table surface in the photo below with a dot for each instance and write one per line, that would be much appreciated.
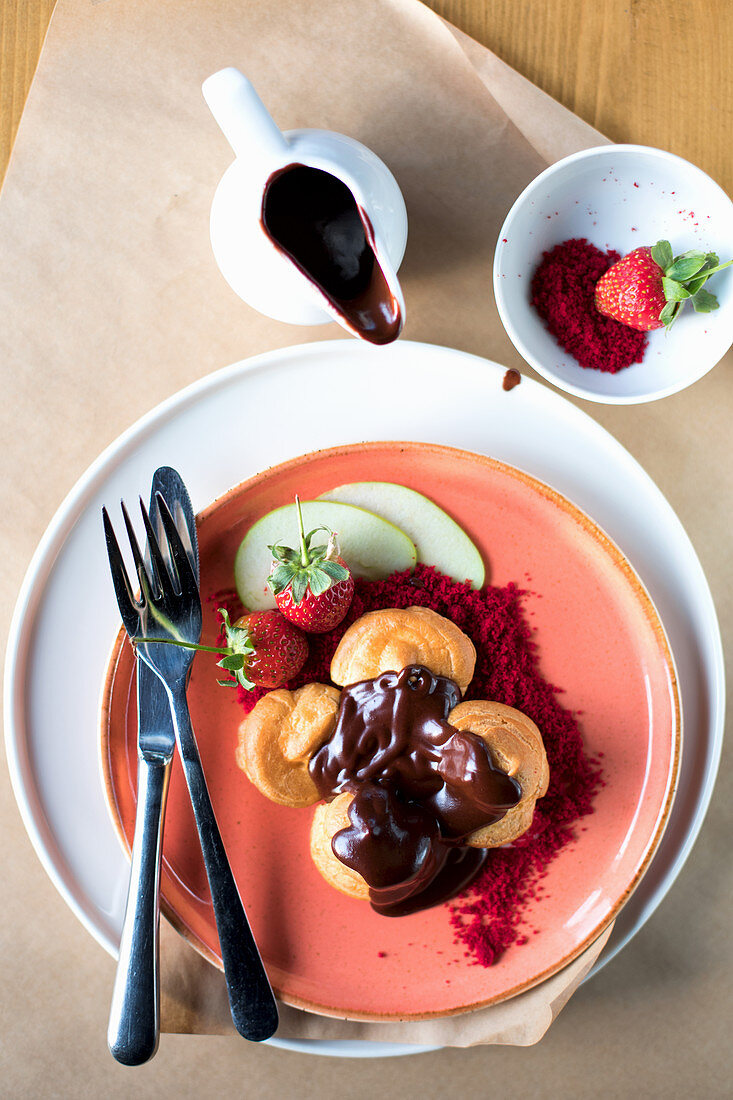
(646, 71)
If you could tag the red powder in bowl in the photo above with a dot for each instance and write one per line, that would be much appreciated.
(486, 918)
(563, 293)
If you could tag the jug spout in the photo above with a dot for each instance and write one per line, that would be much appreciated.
(308, 225)
(315, 220)
(243, 118)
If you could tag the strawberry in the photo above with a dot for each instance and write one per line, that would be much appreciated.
(312, 586)
(263, 650)
(648, 288)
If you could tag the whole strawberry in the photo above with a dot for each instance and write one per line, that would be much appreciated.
(647, 289)
(313, 586)
(263, 650)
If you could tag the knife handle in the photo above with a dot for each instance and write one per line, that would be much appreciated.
(134, 1020)
(251, 1000)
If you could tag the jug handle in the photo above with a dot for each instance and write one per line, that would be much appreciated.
(243, 117)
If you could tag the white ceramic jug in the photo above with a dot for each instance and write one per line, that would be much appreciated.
(306, 225)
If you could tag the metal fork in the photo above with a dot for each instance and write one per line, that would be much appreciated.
(134, 1018)
(169, 610)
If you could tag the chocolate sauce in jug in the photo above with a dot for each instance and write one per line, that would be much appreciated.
(314, 219)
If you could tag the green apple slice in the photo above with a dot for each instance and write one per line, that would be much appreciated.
(440, 541)
(371, 546)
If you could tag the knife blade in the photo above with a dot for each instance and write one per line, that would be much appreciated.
(134, 1023)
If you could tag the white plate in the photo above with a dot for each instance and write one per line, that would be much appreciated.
(219, 432)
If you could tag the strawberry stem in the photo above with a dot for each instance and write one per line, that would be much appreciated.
(184, 645)
(235, 657)
(304, 559)
(707, 272)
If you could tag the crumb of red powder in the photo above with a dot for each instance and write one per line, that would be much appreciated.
(563, 293)
(486, 918)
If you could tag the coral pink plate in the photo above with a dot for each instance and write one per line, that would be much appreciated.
(599, 639)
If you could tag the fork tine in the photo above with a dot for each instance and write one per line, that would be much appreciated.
(125, 599)
(145, 586)
(181, 560)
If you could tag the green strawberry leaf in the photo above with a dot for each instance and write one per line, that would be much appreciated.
(284, 553)
(279, 579)
(667, 315)
(232, 663)
(225, 618)
(237, 637)
(243, 680)
(718, 267)
(319, 582)
(240, 641)
(694, 284)
(334, 571)
(662, 254)
(227, 683)
(298, 586)
(307, 538)
(685, 266)
(710, 267)
(674, 291)
(704, 302)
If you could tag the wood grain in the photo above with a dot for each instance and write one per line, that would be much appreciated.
(646, 71)
(23, 26)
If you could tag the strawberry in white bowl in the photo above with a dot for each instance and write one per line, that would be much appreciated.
(618, 197)
(647, 289)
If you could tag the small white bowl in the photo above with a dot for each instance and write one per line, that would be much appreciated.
(618, 197)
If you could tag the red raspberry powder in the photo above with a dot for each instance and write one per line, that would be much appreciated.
(563, 293)
(487, 917)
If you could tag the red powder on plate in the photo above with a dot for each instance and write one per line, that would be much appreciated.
(563, 293)
(486, 918)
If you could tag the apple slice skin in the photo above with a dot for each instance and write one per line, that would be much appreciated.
(372, 546)
(440, 541)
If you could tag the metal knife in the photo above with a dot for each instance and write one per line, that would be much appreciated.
(134, 1022)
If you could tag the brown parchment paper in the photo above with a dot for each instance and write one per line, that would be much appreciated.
(110, 299)
(195, 1002)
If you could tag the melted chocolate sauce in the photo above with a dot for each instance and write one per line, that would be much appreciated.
(397, 848)
(420, 787)
(314, 219)
(460, 868)
(512, 378)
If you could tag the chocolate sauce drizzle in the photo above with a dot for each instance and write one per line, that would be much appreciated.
(420, 787)
(314, 219)
(511, 379)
